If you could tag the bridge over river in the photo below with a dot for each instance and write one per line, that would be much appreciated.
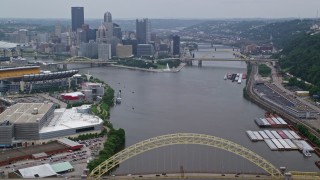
(271, 172)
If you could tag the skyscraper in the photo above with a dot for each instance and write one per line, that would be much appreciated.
(176, 45)
(107, 17)
(77, 16)
(143, 31)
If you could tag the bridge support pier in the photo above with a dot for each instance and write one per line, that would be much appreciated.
(287, 176)
(199, 63)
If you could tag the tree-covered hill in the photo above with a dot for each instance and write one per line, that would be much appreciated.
(255, 31)
(301, 57)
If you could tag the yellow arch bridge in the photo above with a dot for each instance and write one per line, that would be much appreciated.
(84, 60)
(197, 139)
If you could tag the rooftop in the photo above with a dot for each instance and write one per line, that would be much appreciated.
(87, 84)
(7, 45)
(29, 151)
(61, 167)
(68, 142)
(22, 112)
(68, 119)
(73, 94)
(44, 170)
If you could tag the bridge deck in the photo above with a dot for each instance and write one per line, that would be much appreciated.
(192, 176)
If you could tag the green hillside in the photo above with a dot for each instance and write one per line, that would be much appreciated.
(301, 57)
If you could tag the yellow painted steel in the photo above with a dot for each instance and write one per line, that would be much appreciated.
(15, 72)
(183, 138)
(305, 175)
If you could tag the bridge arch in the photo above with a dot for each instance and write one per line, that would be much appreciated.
(183, 138)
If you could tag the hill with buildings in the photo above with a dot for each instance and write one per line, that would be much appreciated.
(254, 31)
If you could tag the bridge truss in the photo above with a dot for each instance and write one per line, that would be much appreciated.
(78, 59)
(183, 138)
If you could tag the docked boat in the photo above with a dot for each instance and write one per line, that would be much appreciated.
(225, 77)
(118, 99)
(240, 78)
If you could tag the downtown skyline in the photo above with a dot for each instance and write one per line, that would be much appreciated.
(164, 9)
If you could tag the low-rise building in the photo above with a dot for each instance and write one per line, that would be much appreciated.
(32, 122)
(124, 51)
(145, 50)
(92, 89)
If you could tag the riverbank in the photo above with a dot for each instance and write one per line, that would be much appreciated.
(249, 94)
(173, 70)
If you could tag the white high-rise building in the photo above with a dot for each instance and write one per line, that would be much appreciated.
(23, 36)
(104, 51)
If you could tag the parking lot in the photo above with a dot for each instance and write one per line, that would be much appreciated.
(78, 159)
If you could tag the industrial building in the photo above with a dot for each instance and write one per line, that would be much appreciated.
(42, 171)
(29, 122)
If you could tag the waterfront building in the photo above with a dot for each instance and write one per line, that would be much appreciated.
(176, 45)
(144, 50)
(89, 50)
(92, 90)
(124, 51)
(24, 122)
(143, 31)
(104, 51)
(77, 17)
(133, 43)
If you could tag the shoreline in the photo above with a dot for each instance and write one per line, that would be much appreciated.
(175, 70)
(271, 108)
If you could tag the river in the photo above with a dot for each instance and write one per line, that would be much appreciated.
(195, 100)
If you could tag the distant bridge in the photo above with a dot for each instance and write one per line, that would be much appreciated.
(228, 59)
(84, 60)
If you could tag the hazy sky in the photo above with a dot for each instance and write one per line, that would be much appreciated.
(130, 9)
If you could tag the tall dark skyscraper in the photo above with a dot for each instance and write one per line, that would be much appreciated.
(176, 45)
(77, 16)
(143, 31)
